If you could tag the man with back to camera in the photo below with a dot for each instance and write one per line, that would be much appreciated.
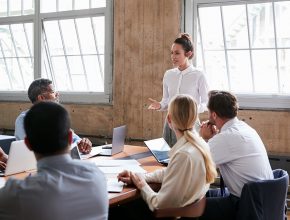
(238, 152)
(40, 90)
(62, 188)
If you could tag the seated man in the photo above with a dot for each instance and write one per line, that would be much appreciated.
(62, 188)
(238, 152)
(39, 90)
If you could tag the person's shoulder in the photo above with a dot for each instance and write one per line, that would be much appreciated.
(22, 115)
(87, 168)
(171, 71)
(197, 72)
(12, 186)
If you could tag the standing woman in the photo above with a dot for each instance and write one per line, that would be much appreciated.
(184, 78)
(190, 169)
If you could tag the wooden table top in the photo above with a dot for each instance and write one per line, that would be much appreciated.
(141, 154)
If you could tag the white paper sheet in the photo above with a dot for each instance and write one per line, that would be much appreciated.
(116, 163)
(135, 169)
(95, 151)
(114, 186)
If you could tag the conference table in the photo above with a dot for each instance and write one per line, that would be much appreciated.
(141, 154)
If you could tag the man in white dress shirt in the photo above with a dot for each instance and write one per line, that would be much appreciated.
(238, 152)
(62, 188)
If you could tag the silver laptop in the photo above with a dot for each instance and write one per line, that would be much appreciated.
(117, 146)
(74, 153)
(20, 159)
(159, 148)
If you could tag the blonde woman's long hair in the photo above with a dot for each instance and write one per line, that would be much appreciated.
(183, 114)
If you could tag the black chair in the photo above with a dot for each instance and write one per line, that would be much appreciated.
(192, 210)
(265, 199)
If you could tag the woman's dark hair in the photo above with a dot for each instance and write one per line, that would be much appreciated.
(185, 41)
(223, 103)
(47, 126)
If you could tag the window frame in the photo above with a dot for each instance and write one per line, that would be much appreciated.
(38, 52)
(246, 101)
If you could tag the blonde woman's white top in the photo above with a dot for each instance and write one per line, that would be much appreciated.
(189, 81)
(183, 181)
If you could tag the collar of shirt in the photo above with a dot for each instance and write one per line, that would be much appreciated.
(52, 161)
(229, 123)
(180, 142)
(189, 69)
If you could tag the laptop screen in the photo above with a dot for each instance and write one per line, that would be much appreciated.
(159, 148)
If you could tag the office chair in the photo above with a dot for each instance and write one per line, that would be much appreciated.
(264, 199)
(192, 210)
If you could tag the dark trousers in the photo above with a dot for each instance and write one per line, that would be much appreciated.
(218, 207)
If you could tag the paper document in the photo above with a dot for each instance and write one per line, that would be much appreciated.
(116, 163)
(114, 186)
(135, 169)
(95, 151)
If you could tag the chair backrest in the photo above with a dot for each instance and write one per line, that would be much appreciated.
(264, 199)
(195, 209)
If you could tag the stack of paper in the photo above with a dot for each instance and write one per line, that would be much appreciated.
(117, 166)
(113, 185)
(111, 168)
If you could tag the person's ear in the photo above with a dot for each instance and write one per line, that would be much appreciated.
(168, 119)
(189, 54)
(214, 116)
(40, 98)
(27, 143)
(70, 137)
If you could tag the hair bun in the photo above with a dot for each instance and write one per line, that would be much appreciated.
(185, 36)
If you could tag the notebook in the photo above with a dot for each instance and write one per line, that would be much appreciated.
(159, 148)
(117, 146)
(20, 159)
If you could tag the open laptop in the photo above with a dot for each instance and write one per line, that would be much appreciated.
(159, 148)
(20, 159)
(117, 146)
(74, 153)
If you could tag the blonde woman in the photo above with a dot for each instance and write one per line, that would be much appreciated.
(191, 168)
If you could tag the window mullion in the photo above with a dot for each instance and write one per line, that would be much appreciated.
(8, 8)
(276, 48)
(37, 40)
(97, 49)
(65, 55)
(57, 5)
(81, 54)
(225, 48)
(22, 7)
(250, 50)
(17, 57)
(73, 4)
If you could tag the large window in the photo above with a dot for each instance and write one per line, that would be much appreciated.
(67, 41)
(244, 47)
